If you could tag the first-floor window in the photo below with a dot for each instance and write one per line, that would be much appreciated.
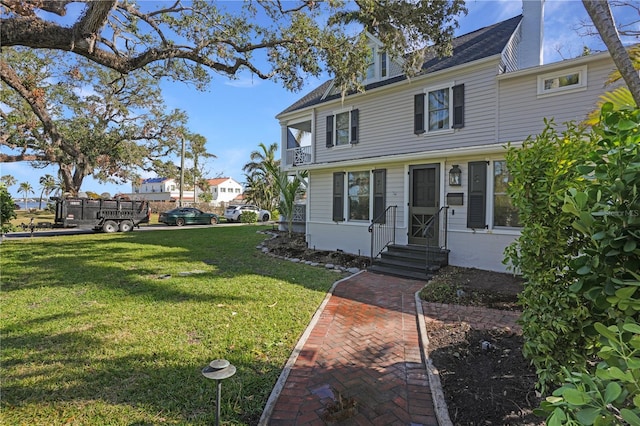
(504, 213)
(358, 194)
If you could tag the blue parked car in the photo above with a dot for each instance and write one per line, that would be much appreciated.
(187, 216)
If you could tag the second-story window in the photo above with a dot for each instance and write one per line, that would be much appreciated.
(438, 112)
(563, 81)
(342, 128)
(439, 109)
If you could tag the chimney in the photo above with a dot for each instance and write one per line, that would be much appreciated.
(531, 34)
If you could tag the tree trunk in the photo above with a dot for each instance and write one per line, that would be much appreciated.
(600, 14)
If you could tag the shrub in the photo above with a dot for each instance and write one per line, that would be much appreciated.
(543, 169)
(606, 214)
(249, 217)
(7, 209)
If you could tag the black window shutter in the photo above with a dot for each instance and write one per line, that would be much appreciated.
(338, 197)
(329, 131)
(476, 212)
(418, 114)
(458, 106)
(379, 195)
(355, 118)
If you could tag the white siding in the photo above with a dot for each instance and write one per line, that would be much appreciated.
(510, 55)
(482, 251)
(470, 248)
(386, 117)
(522, 110)
(387, 141)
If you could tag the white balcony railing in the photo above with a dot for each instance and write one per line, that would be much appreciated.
(299, 156)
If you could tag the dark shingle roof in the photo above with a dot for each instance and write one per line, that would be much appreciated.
(479, 44)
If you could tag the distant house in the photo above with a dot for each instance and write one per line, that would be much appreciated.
(159, 189)
(423, 158)
(224, 190)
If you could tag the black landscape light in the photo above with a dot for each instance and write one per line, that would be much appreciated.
(218, 370)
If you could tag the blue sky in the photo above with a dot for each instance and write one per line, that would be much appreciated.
(236, 115)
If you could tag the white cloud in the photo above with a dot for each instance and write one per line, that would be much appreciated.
(244, 82)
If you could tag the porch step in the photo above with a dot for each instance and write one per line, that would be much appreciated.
(395, 272)
(410, 261)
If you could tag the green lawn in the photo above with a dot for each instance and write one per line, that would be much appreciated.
(94, 333)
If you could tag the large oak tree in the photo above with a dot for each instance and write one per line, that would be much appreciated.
(85, 119)
(189, 41)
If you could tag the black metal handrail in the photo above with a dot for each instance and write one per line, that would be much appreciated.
(434, 231)
(383, 231)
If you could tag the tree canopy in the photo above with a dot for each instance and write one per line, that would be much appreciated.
(84, 118)
(53, 50)
(280, 40)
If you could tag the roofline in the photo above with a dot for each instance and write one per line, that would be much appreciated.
(580, 60)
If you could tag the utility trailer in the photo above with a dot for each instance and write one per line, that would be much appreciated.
(101, 215)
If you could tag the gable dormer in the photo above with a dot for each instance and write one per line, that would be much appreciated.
(381, 67)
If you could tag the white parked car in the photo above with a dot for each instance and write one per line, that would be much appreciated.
(233, 212)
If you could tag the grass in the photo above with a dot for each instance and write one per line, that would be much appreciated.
(114, 329)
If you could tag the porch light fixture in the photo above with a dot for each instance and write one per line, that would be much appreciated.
(455, 175)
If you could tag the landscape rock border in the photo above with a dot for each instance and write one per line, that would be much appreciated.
(329, 266)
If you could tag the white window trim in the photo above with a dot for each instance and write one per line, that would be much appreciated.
(582, 82)
(335, 128)
(426, 91)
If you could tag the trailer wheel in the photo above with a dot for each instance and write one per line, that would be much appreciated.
(179, 221)
(214, 220)
(126, 226)
(110, 226)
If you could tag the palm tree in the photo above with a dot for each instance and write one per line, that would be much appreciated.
(265, 193)
(290, 188)
(8, 180)
(26, 189)
(47, 185)
(196, 151)
(620, 97)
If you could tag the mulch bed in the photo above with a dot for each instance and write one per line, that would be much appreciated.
(485, 378)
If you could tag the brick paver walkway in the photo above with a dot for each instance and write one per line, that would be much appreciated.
(364, 345)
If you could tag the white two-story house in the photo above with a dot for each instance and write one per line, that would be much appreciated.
(421, 160)
(224, 190)
(159, 189)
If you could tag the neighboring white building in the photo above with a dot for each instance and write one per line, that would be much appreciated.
(159, 189)
(435, 140)
(224, 190)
